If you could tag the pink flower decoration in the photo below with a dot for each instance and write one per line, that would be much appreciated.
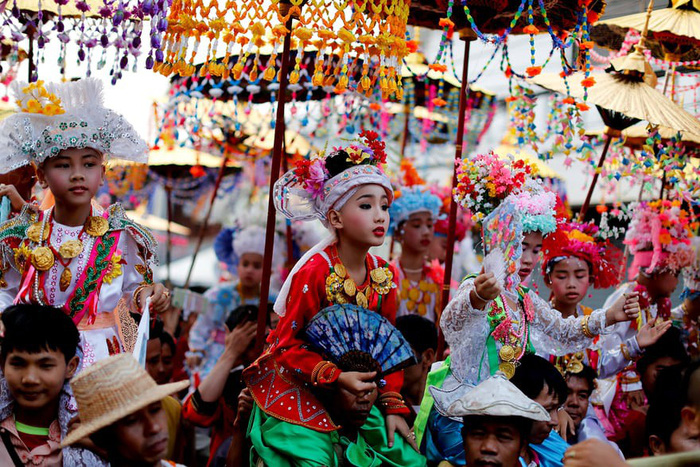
(317, 177)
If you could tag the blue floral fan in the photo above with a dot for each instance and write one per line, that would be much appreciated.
(349, 331)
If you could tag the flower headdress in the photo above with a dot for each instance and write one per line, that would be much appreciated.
(691, 274)
(659, 237)
(309, 191)
(412, 200)
(55, 117)
(584, 241)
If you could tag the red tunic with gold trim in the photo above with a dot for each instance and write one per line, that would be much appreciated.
(280, 379)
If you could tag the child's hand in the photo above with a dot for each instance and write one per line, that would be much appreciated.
(486, 288)
(566, 425)
(15, 199)
(245, 408)
(650, 333)
(625, 308)
(396, 423)
(238, 340)
(356, 382)
(160, 298)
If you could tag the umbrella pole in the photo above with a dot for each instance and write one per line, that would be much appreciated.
(30, 73)
(467, 35)
(404, 140)
(290, 242)
(663, 185)
(587, 202)
(205, 224)
(274, 175)
(168, 247)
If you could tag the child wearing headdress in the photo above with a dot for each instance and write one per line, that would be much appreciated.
(658, 237)
(348, 192)
(94, 264)
(493, 320)
(575, 257)
(413, 214)
(244, 253)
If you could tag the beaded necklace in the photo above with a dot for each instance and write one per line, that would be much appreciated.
(514, 342)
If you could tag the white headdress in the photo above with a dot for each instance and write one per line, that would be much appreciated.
(497, 397)
(64, 115)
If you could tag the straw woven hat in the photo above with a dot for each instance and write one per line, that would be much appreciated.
(110, 390)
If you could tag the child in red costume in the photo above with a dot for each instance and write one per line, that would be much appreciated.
(351, 195)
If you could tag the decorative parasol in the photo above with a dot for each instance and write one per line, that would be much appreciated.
(675, 31)
(623, 99)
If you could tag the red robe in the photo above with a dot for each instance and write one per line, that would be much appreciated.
(280, 379)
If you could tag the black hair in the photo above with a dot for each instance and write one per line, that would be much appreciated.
(669, 345)
(420, 332)
(664, 414)
(167, 339)
(522, 424)
(155, 327)
(337, 162)
(587, 373)
(534, 372)
(245, 313)
(33, 328)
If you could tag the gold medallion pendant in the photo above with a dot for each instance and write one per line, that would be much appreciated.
(507, 353)
(66, 277)
(378, 275)
(361, 300)
(70, 249)
(507, 368)
(350, 287)
(42, 258)
(34, 233)
(96, 226)
(340, 270)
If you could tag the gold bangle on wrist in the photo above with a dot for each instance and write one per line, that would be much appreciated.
(585, 329)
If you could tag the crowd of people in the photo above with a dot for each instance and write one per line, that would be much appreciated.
(363, 363)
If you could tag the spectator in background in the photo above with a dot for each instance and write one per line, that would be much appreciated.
(214, 403)
(422, 335)
(125, 417)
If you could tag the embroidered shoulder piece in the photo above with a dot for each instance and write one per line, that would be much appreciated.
(141, 235)
(12, 233)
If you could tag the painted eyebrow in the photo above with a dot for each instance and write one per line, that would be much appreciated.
(368, 195)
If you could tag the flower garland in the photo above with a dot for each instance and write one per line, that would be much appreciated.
(111, 26)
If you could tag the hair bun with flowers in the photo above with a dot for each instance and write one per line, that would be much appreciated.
(60, 116)
(328, 181)
(659, 237)
(584, 241)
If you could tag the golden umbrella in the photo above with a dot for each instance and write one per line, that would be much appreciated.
(676, 29)
(623, 98)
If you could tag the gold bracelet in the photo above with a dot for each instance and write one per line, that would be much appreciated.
(135, 300)
(585, 329)
(625, 351)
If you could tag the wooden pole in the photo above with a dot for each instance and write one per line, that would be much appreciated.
(468, 36)
(274, 175)
(205, 224)
(169, 246)
(587, 202)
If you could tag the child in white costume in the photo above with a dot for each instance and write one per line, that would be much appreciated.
(94, 264)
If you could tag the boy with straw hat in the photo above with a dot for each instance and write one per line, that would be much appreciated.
(125, 417)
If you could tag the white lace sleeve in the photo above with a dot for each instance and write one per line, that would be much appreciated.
(466, 330)
(553, 334)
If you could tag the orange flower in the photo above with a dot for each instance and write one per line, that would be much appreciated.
(446, 23)
(438, 102)
(582, 107)
(588, 82)
(533, 71)
(197, 171)
(375, 106)
(601, 208)
(508, 72)
(438, 67)
(569, 100)
(412, 46)
(587, 45)
(531, 29)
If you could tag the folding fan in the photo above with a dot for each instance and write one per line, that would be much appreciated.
(340, 329)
